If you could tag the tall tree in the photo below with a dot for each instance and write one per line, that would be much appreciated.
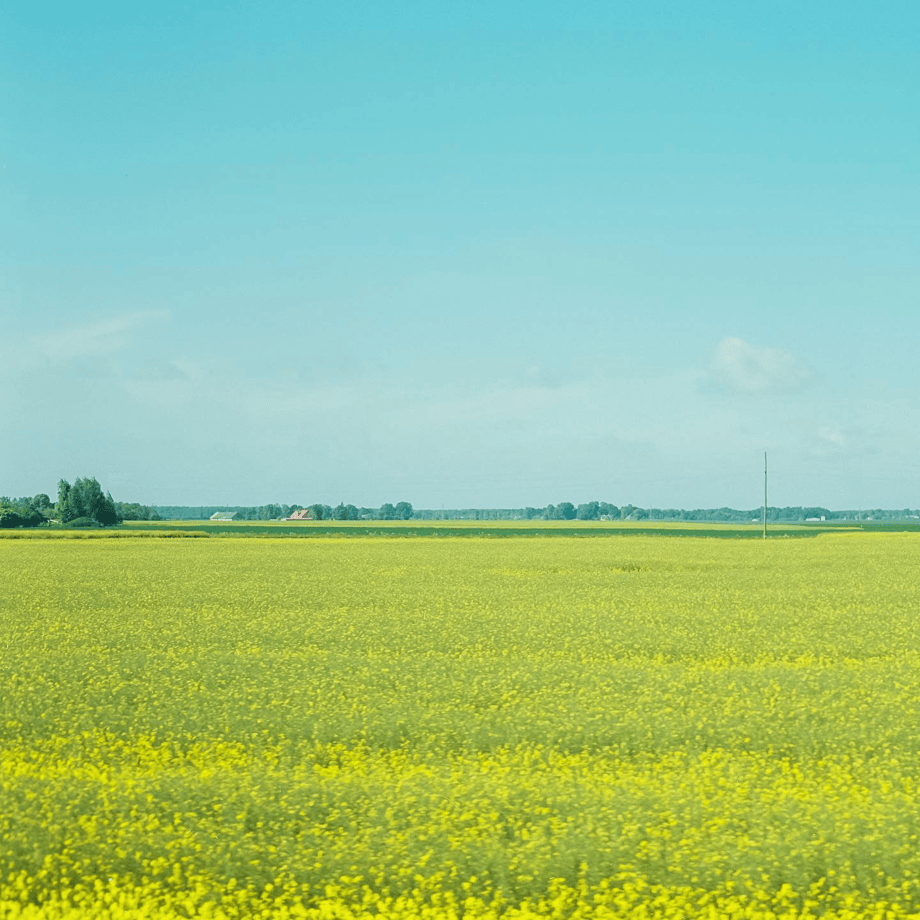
(63, 492)
(402, 511)
(85, 499)
(73, 504)
(41, 502)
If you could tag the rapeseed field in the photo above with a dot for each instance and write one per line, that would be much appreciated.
(627, 726)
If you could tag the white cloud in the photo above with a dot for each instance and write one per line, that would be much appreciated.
(95, 340)
(739, 367)
(828, 440)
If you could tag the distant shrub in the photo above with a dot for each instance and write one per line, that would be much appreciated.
(83, 522)
(9, 519)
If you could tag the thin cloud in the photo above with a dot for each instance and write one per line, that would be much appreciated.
(158, 369)
(741, 368)
(95, 340)
(538, 375)
(828, 440)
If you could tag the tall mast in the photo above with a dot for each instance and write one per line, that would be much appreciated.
(765, 495)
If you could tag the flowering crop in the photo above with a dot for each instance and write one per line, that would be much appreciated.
(524, 727)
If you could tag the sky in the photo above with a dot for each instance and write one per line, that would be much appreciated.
(462, 255)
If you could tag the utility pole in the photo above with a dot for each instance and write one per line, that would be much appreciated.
(765, 495)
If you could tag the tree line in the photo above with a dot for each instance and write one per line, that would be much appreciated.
(82, 504)
(604, 511)
(401, 511)
(24, 512)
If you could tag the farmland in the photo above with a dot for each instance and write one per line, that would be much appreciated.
(639, 724)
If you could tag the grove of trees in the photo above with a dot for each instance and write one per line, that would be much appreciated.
(132, 511)
(84, 502)
(24, 512)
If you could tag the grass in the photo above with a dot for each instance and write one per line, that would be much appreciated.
(517, 727)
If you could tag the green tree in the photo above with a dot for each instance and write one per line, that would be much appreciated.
(403, 511)
(41, 502)
(63, 494)
(93, 498)
(108, 515)
(73, 504)
(10, 518)
(85, 499)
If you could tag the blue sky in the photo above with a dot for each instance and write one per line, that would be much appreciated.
(477, 255)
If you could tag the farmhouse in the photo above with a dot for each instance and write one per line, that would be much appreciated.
(304, 514)
(225, 516)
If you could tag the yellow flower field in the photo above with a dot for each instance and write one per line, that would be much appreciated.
(622, 726)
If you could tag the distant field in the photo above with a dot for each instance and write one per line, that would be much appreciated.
(527, 528)
(463, 726)
(489, 529)
(510, 528)
(492, 529)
